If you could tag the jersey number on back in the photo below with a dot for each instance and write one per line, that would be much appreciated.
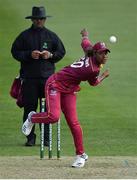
(80, 63)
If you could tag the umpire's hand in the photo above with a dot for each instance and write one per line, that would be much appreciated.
(46, 54)
(35, 54)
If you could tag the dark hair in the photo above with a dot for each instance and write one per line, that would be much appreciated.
(89, 51)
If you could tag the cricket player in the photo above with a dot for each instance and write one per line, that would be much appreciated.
(60, 93)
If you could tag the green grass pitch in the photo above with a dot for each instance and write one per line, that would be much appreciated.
(108, 113)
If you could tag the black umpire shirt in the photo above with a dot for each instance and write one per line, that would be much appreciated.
(37, 39)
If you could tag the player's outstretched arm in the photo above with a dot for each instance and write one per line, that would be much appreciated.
(86, 43)
(99, 79)
(84, 33)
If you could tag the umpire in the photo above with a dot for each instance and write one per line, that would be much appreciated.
(37, 49)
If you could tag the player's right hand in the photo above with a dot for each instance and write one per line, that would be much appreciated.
(105, 73)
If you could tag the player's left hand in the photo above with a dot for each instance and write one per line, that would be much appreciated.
(84, 32)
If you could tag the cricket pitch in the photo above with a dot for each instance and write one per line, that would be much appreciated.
(31, 167)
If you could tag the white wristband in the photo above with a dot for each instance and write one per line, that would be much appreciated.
(84, 37)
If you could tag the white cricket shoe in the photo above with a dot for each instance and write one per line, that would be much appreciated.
(28, 125)
(80, 160)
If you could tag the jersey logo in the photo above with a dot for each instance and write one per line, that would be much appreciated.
(53, 92)
(103, 45)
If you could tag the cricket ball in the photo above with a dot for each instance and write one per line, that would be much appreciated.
(113, 39)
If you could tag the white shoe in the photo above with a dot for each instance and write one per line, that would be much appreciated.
(80, 160)
(28, 125)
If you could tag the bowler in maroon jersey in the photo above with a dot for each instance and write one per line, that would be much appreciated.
(61, 88)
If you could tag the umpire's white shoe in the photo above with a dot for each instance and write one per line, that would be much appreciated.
(80, 160)
(28, 125)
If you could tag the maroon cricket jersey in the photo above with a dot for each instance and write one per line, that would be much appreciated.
(84, 69)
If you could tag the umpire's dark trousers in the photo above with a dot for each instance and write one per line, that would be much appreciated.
(33, 90)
